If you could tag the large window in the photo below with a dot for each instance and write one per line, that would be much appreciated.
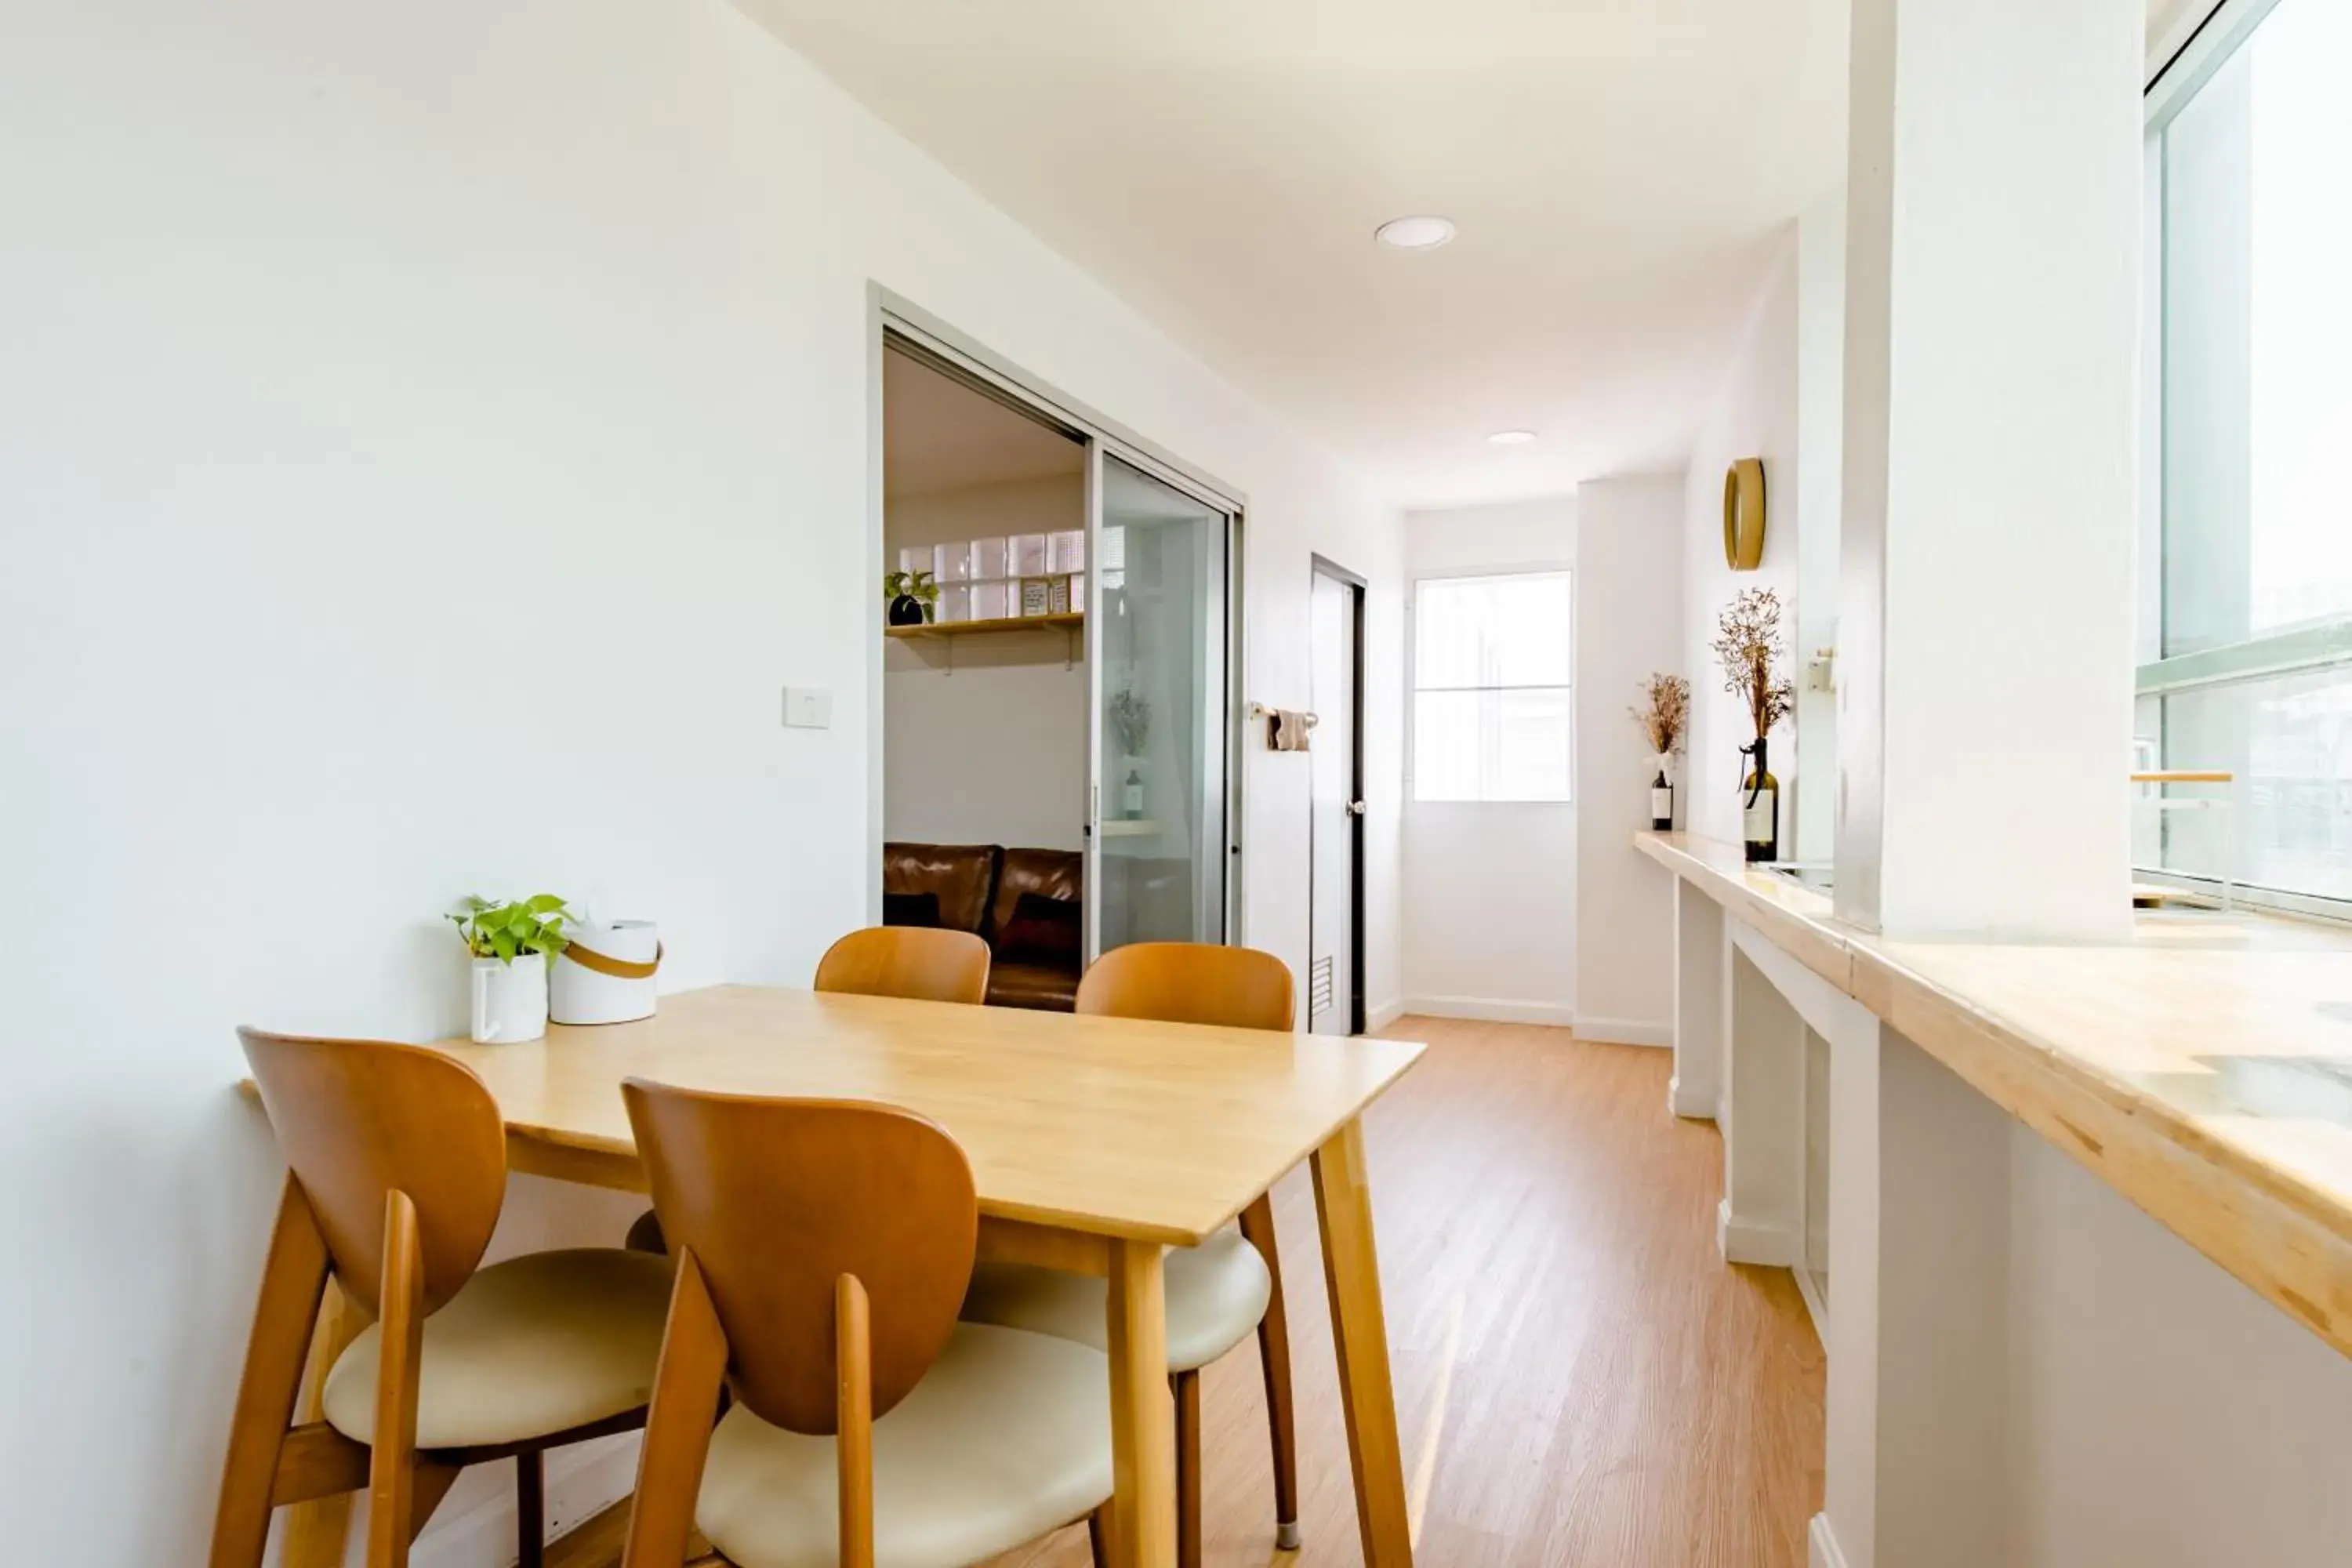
(1491, 709)
(2246, 635)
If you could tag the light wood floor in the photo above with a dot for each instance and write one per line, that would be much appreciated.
(1580, 1378)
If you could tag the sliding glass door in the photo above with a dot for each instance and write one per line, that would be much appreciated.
(1158, 632)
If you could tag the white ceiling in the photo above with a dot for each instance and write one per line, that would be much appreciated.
(940, 435)
(1618, 169)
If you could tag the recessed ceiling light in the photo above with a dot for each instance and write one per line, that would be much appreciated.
(1423, 233)
(1510, 438)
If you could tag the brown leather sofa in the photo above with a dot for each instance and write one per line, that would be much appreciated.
(1025, 904)
(1034, 931)
(947, 885)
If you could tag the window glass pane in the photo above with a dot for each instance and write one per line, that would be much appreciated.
(2290, 742)
(1492, 631)
(1492, 745)
(2257, 333)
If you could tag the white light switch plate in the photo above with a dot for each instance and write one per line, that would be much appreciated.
(807, 708)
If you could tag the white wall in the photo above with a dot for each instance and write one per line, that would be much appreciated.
(1820, 473)
(1782, 399)
(1754, 415)
(984, 739)
(1490, 927)
(2161, 1414)
(2026, 1369)
(1629, 626)
(432, 437)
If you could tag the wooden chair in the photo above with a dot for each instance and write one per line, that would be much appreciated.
(823, 1248)
(1218, 1291)
(919, 962)
(922, 963)
(396, 1171)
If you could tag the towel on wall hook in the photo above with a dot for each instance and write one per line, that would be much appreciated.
(1287, 729)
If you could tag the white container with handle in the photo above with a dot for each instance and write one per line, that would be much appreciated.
(510, 1000)
(605, 973)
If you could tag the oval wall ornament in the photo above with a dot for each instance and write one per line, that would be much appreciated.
(1743, 514)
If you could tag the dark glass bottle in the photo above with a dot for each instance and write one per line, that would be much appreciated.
(1759, 805)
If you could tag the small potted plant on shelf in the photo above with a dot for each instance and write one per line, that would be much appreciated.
(914, 597)
(1663, 714)
(1748, 640)
(510, 999)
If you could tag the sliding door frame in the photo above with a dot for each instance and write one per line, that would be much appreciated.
(892, 320)
(1360, 593)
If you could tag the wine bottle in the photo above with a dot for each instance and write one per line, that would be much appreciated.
(1760, 806)
(1134, 802)
(1661, 800)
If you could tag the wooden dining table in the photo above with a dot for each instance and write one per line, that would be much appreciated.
(1095, 1143)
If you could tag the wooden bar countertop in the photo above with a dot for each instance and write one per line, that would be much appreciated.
(2202, 1068)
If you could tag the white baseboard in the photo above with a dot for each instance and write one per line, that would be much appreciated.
(1624, 1032)
(581, 1481)
(1502, 1010)
(1756, 1241)
(1821, 1544)
(1382, 1016)
(1689, 1104)
(1491, 1010)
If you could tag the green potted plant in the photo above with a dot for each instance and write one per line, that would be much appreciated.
(914, 597)
(510, 999)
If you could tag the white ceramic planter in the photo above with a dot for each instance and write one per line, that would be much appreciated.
(510, 1000)
(605, 974)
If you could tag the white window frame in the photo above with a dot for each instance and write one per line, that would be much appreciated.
(1413, 688)
(2303, 649)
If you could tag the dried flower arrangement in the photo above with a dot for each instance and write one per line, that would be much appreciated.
(1664, 711)
(1747, 641)
(1129, 716)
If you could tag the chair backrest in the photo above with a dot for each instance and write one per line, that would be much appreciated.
(917, 963)
(358, 1118)
(776, 1199)
(1190, 982)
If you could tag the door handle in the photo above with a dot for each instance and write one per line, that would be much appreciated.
(1355, 808)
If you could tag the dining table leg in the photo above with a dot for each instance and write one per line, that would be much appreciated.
(1343, 1204)
(1142, 1412)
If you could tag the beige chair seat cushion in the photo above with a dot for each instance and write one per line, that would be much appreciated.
(527, 1348)
(1007, 1437)
(1217, 1294)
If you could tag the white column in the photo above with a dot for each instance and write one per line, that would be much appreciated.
(1986, 606)
(1820, 478)
(1763, 1215)
(1700, 956)
(1938, 1476)
(1985, 632)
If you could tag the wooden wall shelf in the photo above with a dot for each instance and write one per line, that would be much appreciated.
(1070, 622)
